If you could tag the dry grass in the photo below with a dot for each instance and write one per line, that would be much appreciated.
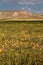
(21, 43)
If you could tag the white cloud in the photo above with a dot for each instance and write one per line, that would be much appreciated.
(29, 9)
(30, 2)
(32, 10)
(37, 11)
(24, 2)
(23, 8)
(8, 1)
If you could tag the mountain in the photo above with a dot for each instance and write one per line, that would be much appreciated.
(19, 14)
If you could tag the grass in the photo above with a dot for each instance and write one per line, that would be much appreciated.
(21, 42)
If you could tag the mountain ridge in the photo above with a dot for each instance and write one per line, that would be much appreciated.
(19, 14)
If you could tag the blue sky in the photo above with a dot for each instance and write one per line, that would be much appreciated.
(35, 6)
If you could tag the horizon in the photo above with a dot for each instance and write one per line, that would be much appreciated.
(34, 6)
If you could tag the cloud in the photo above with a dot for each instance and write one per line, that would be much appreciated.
(30, 2)
(29, 9)
(9, 1)
(23, 2)
(23, 8)
(37, 11)
(4, 1)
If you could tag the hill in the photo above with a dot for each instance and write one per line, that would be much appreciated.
(19, 14)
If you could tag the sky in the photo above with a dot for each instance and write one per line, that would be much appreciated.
(35, 6)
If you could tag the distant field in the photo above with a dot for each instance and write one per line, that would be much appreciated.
(21, 42)
(11, 19)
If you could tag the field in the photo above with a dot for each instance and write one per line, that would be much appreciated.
(21, 43)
